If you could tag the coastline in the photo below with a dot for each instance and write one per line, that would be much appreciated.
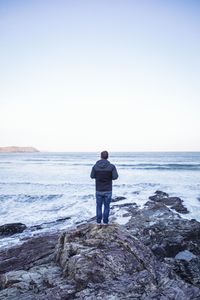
(37, 267)
(16, 149)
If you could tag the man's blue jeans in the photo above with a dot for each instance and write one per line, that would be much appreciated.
(103, 198)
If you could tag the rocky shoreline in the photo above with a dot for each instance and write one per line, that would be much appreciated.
(154, 255)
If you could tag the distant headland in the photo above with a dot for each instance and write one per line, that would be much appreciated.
(14, 149)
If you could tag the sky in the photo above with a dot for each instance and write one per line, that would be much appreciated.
(88, 75)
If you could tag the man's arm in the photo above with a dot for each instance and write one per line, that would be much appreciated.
(93, 173)
(114, 173)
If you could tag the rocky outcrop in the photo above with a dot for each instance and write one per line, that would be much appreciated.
(170, 238)
(28, 271)
(14, 149)
(108, 263)
(156, 255)
(30, 253)
(12, 228)
(174, 202)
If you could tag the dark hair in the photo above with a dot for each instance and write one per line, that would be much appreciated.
(104, 154)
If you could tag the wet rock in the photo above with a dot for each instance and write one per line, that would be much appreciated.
(161, 194)
(136, 192)
(125, 205)
(36, 227)
(119, 198)
(12, 228)
(63, 219)
(174, 202)
(48, 224)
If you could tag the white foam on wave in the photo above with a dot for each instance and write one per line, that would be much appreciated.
(120, 216)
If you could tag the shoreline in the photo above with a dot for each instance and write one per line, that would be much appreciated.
(15, 233)
(173, 243)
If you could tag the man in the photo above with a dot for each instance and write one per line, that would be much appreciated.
(104, 172)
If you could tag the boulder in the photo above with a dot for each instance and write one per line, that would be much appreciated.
(118, 198)
(12, 228)
(174, 202)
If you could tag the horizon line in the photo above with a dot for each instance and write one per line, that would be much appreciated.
(115, 151)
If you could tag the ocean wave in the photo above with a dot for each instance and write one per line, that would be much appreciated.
(147, 166)
(29, 198)
(16, 183)
(38, 184)
(86, 197)
(135, 185)
(45, 160)
(82, 164)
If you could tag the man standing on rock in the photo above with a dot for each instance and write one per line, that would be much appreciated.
(104, 172)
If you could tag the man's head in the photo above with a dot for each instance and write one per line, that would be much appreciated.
(104, 155)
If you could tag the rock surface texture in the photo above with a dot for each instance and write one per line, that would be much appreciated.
(172, 239)
(109, 263)
(11, 228)
(156, 255)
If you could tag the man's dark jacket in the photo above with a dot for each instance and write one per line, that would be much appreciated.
(104, 172)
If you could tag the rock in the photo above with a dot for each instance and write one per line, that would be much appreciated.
(109, 263)
(161, 193)
(36, 227)
(119, 198)
(48, 224)
(174, 202)
(28, 254)
(63, 219)
(188, 270)
(43, 282)
(136, 192)
(125, 205)
(12, 228)
(168, 235)
(28, 271)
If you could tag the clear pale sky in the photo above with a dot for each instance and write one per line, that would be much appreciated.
(80, 75)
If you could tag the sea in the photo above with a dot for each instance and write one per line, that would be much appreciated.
(40, 188)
